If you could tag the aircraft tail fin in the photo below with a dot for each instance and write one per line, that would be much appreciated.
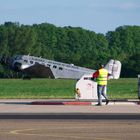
(114, 68)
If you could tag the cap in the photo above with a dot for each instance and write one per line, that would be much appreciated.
(102, 65)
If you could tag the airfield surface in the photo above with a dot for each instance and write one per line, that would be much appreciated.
(69, 129)
(36, 120)
(38, 109)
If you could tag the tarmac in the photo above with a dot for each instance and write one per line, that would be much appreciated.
(65, 119)
(69, 109)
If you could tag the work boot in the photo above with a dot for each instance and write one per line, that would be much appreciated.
(98, 104)
(107, 101)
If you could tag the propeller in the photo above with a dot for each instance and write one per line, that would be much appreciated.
(4, 60)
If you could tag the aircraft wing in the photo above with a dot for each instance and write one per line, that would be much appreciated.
(39, 70)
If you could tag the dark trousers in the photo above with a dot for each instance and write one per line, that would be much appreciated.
(101, 89)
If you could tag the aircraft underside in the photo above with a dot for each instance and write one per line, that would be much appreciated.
(39, 71)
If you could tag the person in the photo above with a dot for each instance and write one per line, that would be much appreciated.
(102, 76)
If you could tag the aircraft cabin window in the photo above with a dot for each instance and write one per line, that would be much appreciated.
(31, 62)
(54, 66)
(60, 68)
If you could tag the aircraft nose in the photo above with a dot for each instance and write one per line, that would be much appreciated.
(17, 66)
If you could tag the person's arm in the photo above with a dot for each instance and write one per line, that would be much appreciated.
(95, 75)
(110, 76)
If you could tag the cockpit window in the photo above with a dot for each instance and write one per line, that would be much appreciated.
(17, 57)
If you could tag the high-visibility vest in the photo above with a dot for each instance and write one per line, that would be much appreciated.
(102, 78)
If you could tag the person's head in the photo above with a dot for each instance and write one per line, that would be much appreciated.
(101, 66)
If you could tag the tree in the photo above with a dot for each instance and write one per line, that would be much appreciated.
(72, 45)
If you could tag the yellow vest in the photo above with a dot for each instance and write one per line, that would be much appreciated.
(102, 78)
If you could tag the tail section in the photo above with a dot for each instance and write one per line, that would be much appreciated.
(114, 68)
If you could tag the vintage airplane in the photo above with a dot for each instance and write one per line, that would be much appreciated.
(40, 67)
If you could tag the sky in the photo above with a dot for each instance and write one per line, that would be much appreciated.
(99, 16)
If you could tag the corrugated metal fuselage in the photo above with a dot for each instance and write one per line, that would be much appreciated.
(40, 67)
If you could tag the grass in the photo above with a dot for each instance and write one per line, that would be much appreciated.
(36, 88)
(123, 88)
(60, 88)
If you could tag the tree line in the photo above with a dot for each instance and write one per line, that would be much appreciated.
(72, 45)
